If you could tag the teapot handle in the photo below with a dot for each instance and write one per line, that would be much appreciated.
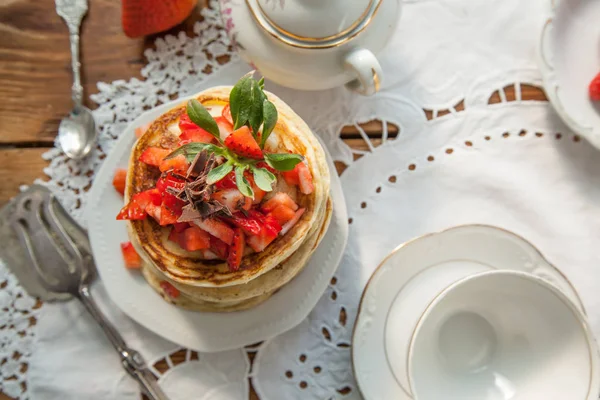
(365, 65)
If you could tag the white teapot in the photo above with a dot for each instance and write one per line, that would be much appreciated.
(313, 44)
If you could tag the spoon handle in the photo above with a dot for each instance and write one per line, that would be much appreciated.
(73, 11)
(76, 89)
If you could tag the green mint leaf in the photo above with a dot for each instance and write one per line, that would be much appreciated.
(235, 98)
(191, 149)
(283, 161)
(244, 103)
(216, 174)
(270, 118)
(242, 182)
(201, 117)
(264, 179)
(261, 83)
(255, 116)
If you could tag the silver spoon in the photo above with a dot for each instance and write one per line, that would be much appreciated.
(77, 131)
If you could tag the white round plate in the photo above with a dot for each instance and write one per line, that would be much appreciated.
(208, 332)
(569, 58)
(485, 247)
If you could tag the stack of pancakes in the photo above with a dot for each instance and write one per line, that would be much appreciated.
(209, 285)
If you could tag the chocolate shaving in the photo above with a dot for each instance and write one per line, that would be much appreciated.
(196, 194)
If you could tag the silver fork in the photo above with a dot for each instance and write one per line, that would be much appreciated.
(61, 263)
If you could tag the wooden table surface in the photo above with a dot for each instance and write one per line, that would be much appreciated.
(35, 81)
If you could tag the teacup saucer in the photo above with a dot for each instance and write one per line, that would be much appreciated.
(483, 248)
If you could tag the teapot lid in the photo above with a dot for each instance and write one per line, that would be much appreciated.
(313, 23)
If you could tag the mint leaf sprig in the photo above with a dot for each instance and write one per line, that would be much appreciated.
(250, 107)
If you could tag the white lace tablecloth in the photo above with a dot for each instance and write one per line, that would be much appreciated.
(511, 164)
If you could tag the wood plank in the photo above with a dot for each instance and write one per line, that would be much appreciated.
(19, 167)
(35, 63)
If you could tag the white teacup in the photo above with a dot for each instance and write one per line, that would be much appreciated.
(493, 335)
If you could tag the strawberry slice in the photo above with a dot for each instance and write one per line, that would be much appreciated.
(119, 180)
(282, 214)
(595, 88)
(195, 135)
(153, 210)
(225, 128)
(233, 199)
(243, 144)
(249, 224)
(154, 155)
(291, 177)
(216, 228)
(228, 182)
(178, 164)
(136, 208)
(169, 180)
(131, 257)
(226, 113)
(219, 247)
(186, 123)
(176, 237)
(259, 242)
(288, 225)
(280, 199)
(194, 238)
(167, 215)
(169, 289)
(236, 250)
(180, 226)
(305, 178)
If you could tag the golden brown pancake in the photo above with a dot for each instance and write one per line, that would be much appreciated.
(209, 285)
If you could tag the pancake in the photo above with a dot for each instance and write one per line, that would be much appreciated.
(247, 295)
(209, 285)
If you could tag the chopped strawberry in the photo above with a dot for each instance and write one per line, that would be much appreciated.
(219, 247)
(271, 224)
(180, 226)
(259, 194)
(595, 88)
(228, 182)
(225, 127)
(194, 238)
(243, 144)
(216, 228)
(154, 155)
(259, 242)
(136, 209)
(186, 123)
(291, 177)
(233, 199)
(236, 250)
(305, 178)
(249, 224)
(280, 199)
(169, 289)
(176, 237)
(282, 214)
(167, 215)
(226, 113)
(169, 180)
(145, 17)
(131, 257)
(196, 135)
(288, 225)
(140, 130)
(154, 211)
(119, 180)
(178, 164)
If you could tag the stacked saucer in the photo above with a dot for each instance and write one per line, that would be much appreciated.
(474, 312)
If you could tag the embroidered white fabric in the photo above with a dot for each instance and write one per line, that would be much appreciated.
(512, 164)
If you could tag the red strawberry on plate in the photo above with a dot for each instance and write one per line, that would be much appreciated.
(595, 88)
(236, 250)
(243, 144)
(145, 17)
